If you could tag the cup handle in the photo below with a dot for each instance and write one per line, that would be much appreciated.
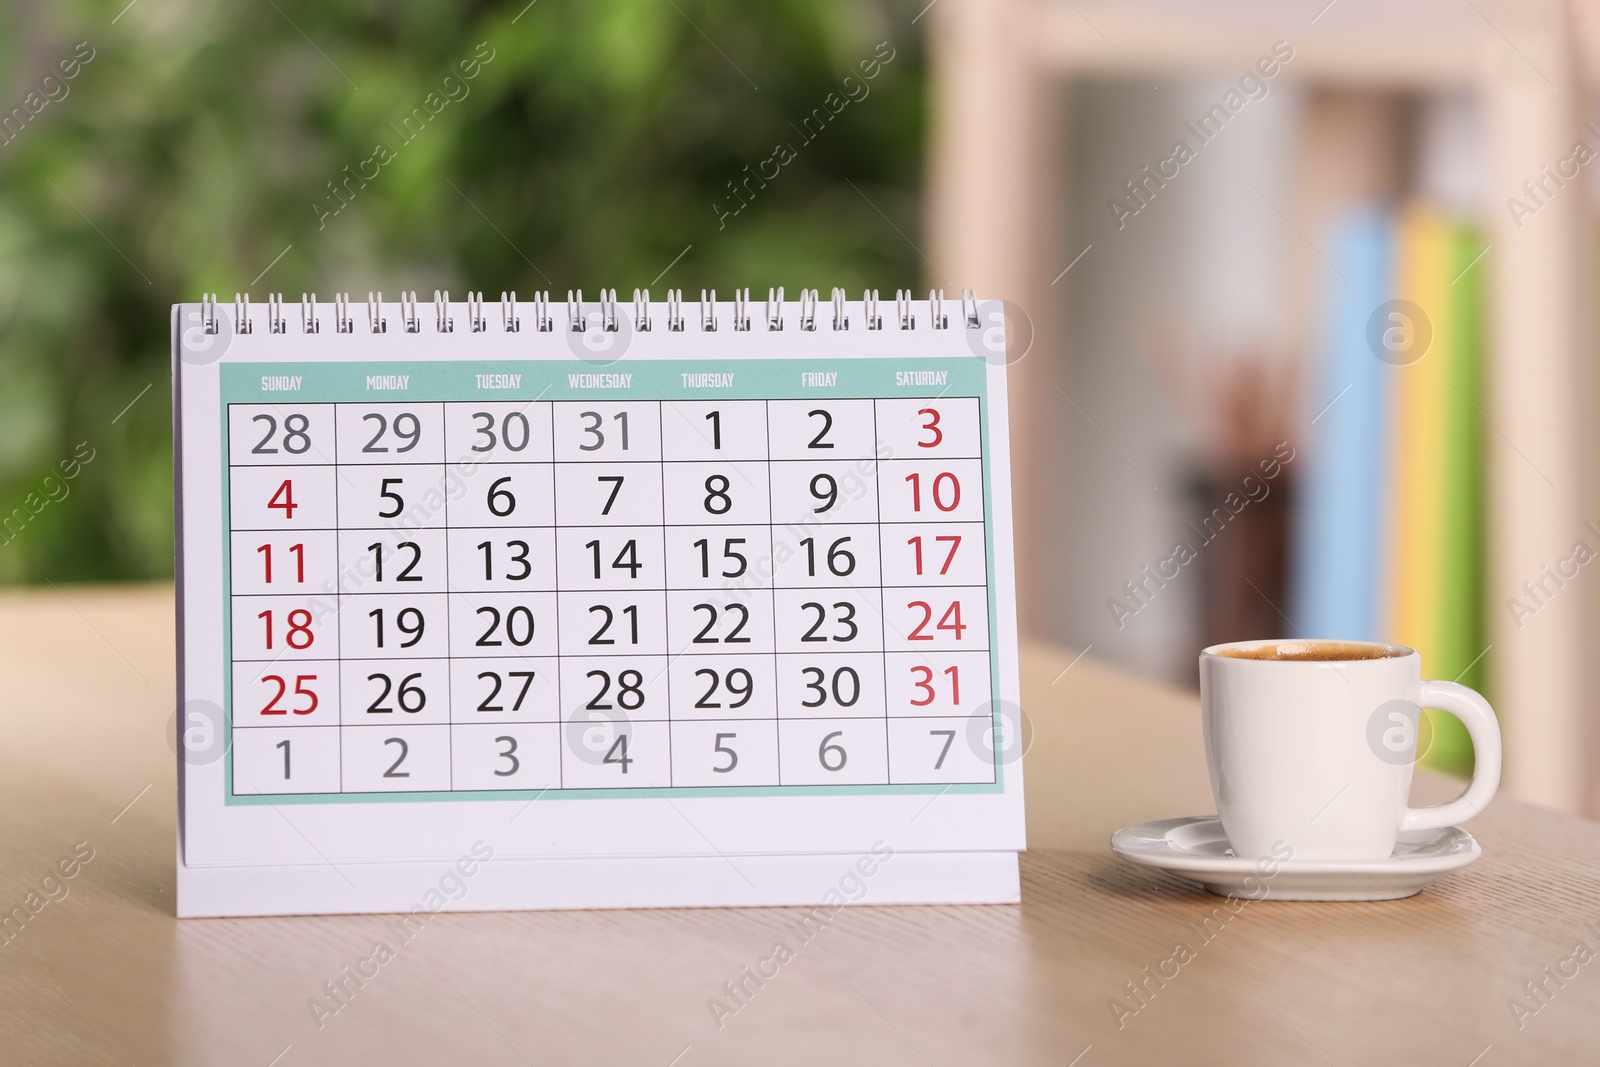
(1479, 719)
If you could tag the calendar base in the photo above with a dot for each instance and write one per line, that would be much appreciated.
(422, 888)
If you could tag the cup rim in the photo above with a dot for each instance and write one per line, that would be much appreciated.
(1215, 651)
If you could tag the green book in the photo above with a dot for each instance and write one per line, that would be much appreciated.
(1460, 626)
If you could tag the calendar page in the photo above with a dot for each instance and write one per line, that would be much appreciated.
(649, 581)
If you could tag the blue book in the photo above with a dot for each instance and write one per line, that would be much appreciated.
(1339, 552)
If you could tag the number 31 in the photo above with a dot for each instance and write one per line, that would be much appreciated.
(925, 683)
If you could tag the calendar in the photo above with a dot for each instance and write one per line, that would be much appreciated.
(648, 604)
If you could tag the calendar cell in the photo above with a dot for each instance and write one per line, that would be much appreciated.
(714, 430)
(937, 683)
(399, 497)
(613, 688)
(503, 624)
(395, 758)
(395, 692)
(937, 751)
(716, 494)
(833, 752)
(607, 753)
(511, 560)
(270, 562)
(281, 498)
(506, 756)
(602, 623)
(517, 431)
(828, 620)
(830, 686)
(826, 556)
(276, 628)
(279, 435)
(809, 492)
(608, 494)
(935, 553)
(719, 621)
(956, 619)
(390, 433)
(723, 687)
(303, 693)
(932, 427)
(607, 431)
(931, 490)
(730, 753)
(511, 689)
(278, 760)
(623, 557)
(394, 626)
(821, 429)
(385, 561)
(502, 495)
(728, 557)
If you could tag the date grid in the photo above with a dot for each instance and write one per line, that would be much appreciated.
(473, 596)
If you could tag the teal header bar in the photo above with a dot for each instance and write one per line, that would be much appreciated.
(508, 379)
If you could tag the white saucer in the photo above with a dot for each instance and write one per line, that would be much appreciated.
(1196, 849)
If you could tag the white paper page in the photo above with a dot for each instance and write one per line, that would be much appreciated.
(606, 593)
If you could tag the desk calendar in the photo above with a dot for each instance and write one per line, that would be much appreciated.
(619, 605)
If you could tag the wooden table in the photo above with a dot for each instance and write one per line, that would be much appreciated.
(106, 974)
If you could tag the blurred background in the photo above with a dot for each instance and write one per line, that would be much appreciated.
(1301, 293)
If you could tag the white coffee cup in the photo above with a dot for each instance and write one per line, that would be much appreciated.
(1317, 753)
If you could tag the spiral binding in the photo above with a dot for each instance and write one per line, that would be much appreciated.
(610, 318)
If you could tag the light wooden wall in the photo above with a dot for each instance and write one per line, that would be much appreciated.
(1536, 471)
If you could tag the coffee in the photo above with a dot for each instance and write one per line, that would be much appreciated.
(1316, 750)
(1315, 651)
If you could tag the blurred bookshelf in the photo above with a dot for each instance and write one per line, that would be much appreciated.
(1512, 294)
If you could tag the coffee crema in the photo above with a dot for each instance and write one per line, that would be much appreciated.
(1315, 652)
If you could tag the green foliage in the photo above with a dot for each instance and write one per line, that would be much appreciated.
(592, 145)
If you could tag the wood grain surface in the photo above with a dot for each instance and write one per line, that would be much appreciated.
(104, 974)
